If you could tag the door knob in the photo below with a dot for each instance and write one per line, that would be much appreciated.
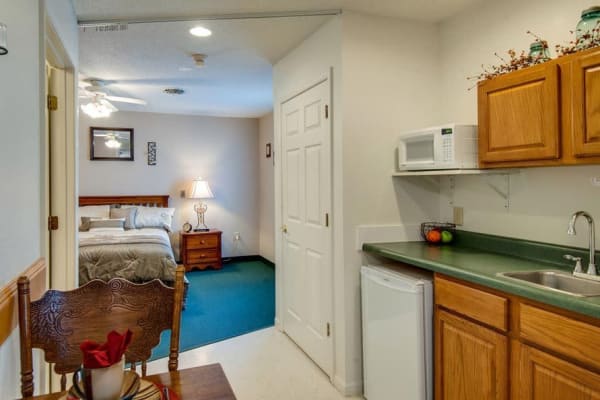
(284, 228)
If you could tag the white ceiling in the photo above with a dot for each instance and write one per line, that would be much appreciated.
(426, 10)
(236, 81)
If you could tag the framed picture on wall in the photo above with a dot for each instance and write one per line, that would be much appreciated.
(114, 144)
(151, 153)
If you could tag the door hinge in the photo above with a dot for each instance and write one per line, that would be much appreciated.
(326, 111)
(52, 103)
(328, 329)
(52, 223)
(326, 219)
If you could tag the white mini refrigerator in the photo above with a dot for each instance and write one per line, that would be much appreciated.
(397, 321)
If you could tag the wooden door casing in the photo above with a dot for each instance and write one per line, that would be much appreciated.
(519, 116)
(471, 361)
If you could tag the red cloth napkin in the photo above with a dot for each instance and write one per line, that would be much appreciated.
(101, 355)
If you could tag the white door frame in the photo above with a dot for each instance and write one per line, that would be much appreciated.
(64, 275)
(277, 145)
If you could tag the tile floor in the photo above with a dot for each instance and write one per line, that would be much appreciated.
(262, 365)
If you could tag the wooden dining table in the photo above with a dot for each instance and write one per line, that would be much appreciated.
(199, 383)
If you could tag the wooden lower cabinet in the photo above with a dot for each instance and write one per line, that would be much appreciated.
(545, 353)
(545, 377)
(471, 360)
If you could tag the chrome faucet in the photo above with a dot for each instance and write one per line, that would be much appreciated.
(591, 270)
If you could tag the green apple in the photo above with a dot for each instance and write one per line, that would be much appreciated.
(446, 237)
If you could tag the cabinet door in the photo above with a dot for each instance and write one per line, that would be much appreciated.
(471, 361)
(519, 116)
(544, 377)
(586, 105)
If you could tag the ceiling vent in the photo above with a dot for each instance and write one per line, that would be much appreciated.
(105, 27)
(199, 59)
(174, 91)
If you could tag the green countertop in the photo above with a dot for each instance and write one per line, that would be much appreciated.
(479, 265)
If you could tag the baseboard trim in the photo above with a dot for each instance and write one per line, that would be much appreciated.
(347, 388)
(227, 260)
(9, 307)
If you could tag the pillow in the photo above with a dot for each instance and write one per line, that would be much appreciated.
(127, 213)
(106, 230)
(154, 217)
(107, 224)
(94, 211)
(85, 223)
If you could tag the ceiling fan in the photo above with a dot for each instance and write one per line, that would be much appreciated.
(100, 100)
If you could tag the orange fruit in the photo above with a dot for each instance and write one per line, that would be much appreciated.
(434, 236)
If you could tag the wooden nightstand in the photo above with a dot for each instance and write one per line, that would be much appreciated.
(201, 250)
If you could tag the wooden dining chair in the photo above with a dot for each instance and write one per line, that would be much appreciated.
(59, 321)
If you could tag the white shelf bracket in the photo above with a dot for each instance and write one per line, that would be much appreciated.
(501, 185)
(452, 187)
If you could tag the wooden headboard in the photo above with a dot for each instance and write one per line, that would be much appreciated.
(151, 201)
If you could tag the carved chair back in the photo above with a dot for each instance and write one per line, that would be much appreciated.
(59, 321)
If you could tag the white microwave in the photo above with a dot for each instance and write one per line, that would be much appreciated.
(448, 146)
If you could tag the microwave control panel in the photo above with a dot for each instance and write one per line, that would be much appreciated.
(447, 144)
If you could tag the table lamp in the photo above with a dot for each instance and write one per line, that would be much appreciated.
(200, 190)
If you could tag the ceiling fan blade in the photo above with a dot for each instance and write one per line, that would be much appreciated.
(126, 100)
(109, 105)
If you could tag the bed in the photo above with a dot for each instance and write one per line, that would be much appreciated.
(138, 255)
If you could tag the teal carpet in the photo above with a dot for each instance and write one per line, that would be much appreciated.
(222, 304)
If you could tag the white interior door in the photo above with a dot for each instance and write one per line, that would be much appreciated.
(307, 244)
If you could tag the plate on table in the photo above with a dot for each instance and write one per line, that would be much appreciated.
(148, 391)
(131, 386)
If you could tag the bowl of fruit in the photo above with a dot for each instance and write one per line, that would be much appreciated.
(438, 232)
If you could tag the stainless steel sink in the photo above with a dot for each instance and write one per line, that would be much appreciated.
(558, 281)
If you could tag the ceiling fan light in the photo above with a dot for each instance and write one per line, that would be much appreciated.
(200, 31)
(96, 110)
(112, 143)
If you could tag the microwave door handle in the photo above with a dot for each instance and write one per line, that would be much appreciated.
(438, 154)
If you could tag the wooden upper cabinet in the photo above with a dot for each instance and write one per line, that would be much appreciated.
(544, 377)
(471, 360)
(586, 105)
(519, 116)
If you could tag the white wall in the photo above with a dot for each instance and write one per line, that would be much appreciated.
(21, 153)
(266, 189)
(20, 166)
(385, 78)
(542, 199)
(304, 66)
(64, 21)
(221, 150)
(390, 84)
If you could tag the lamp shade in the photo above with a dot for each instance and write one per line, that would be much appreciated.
(200, 190)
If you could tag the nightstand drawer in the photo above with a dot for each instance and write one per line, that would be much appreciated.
(202, 255)
(202, 241)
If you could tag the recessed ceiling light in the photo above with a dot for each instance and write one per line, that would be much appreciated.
(200, 31)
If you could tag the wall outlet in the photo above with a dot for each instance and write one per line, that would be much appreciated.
(458, 215)
(236, 236)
